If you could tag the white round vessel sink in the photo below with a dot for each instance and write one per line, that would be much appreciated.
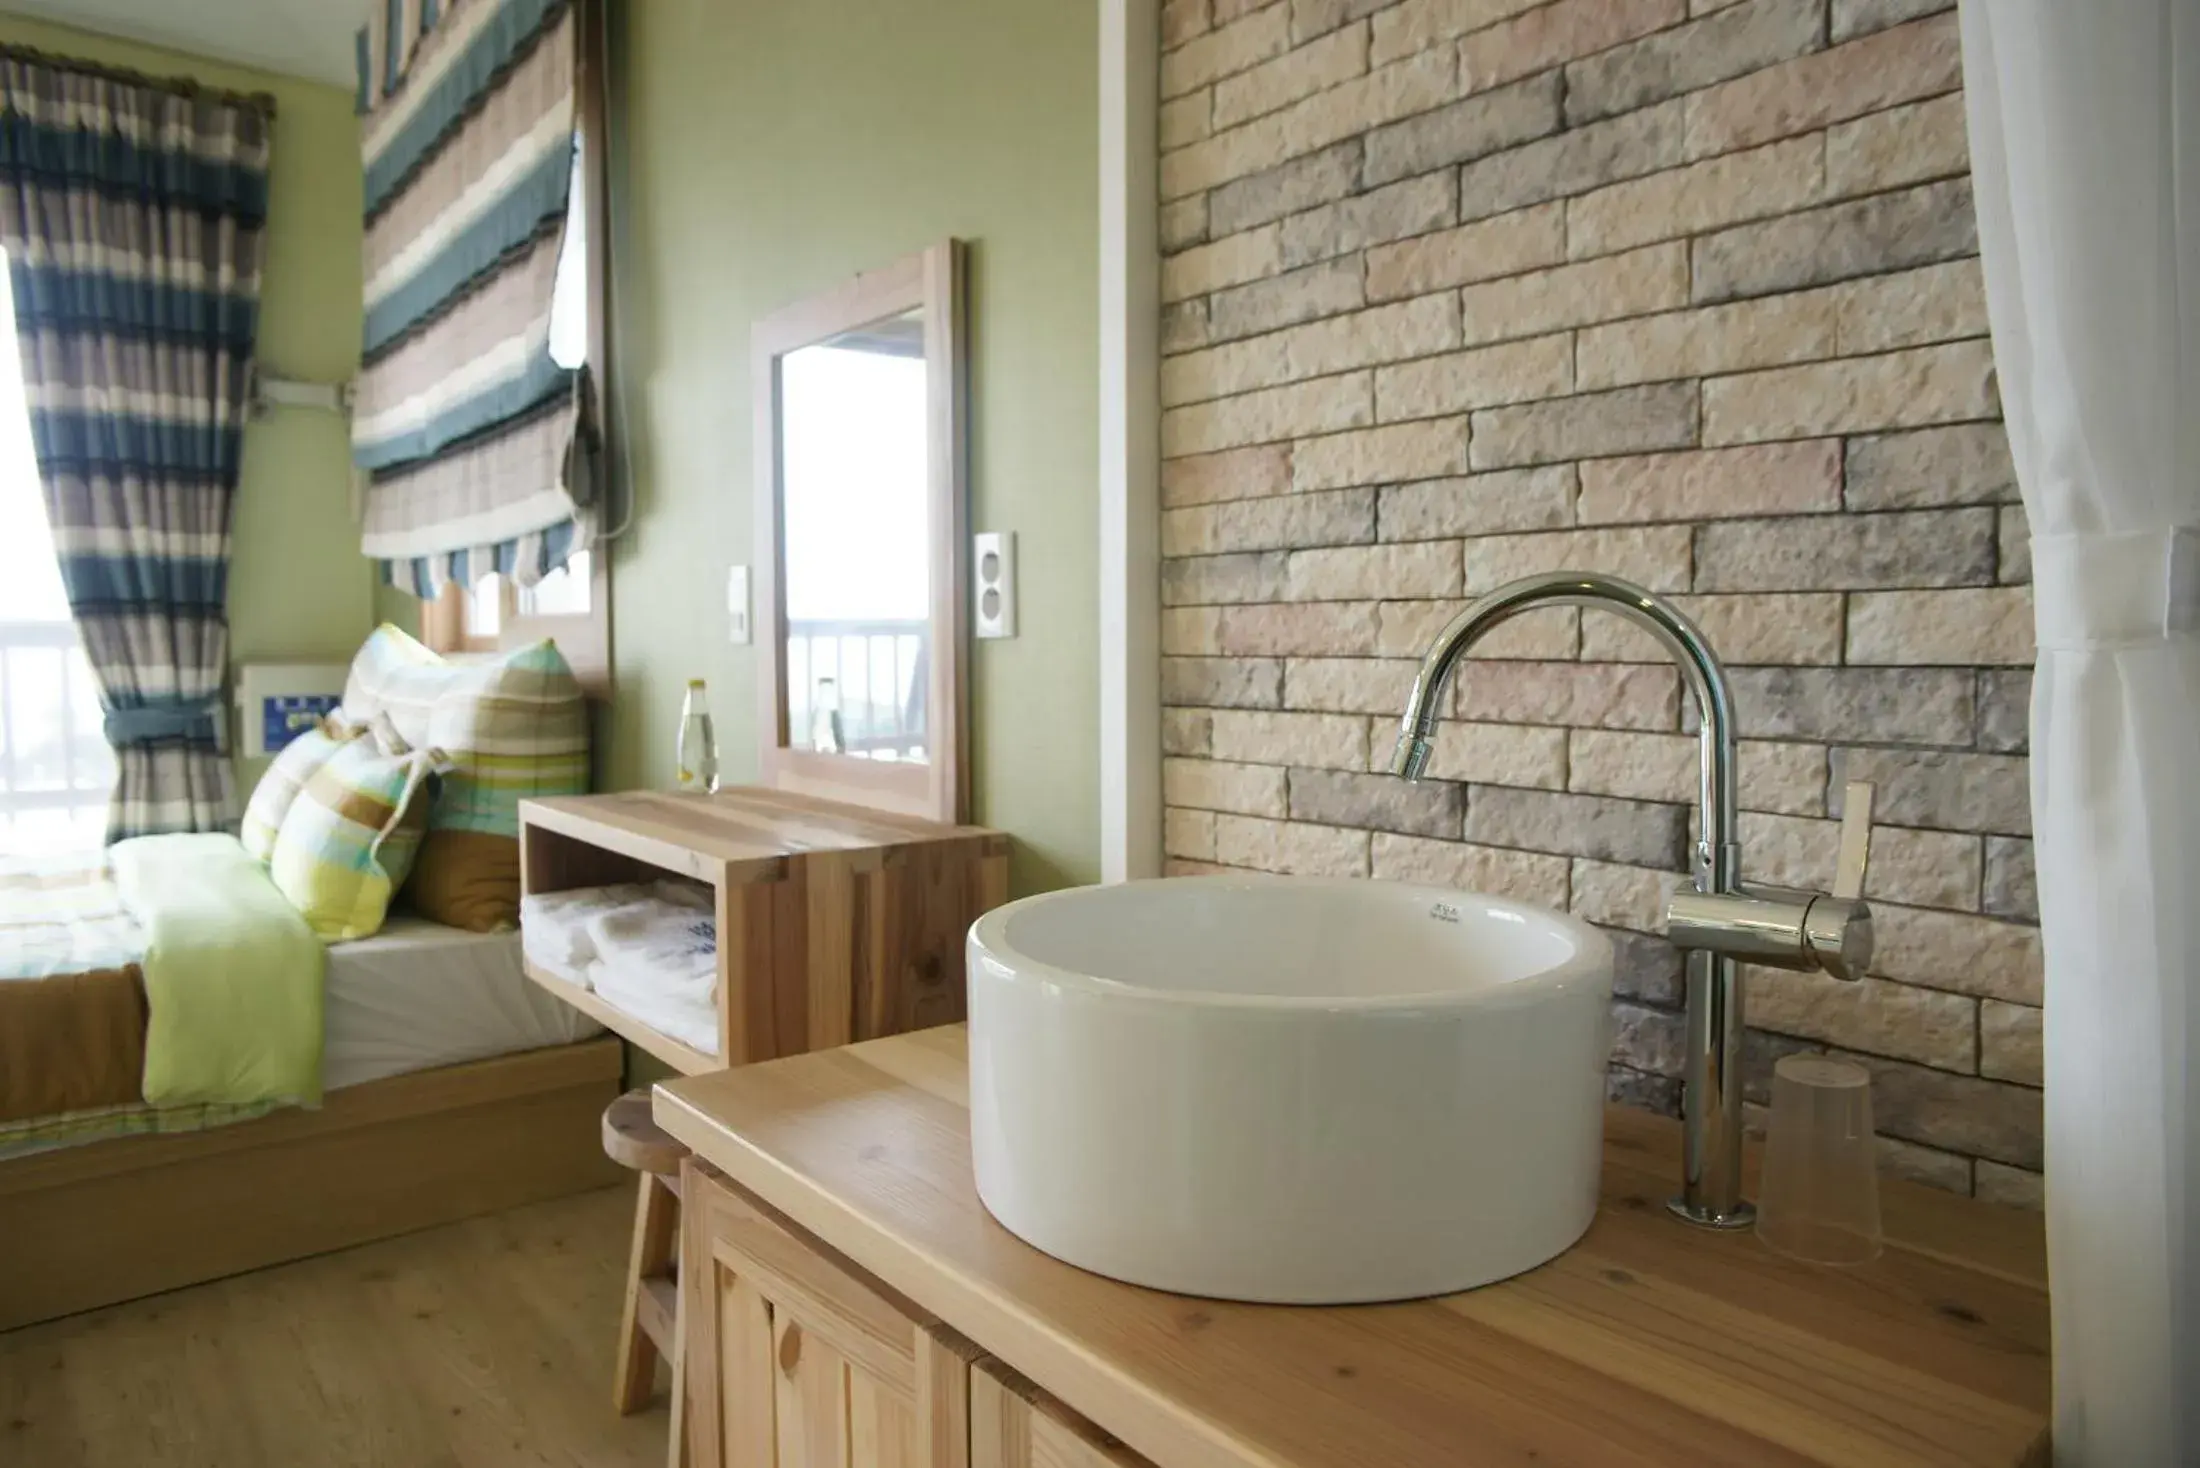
(1289, 1090)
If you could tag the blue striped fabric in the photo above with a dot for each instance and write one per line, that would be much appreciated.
(526, 559)
(455, 92)
(133, 215)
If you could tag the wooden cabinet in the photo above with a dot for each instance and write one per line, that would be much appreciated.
(796, 1359)
(1015, 1425)
(834, 923)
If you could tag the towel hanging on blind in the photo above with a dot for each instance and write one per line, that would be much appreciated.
(473, 436)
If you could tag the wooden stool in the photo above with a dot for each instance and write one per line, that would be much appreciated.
(650, 1324)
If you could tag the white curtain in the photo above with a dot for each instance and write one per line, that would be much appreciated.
(2085, 142)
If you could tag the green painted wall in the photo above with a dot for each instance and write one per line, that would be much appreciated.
(766, 151)
(298, 587)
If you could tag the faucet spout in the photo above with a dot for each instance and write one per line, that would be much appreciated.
(1720, 923)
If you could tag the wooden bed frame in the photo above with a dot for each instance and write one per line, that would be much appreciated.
(115, 1220)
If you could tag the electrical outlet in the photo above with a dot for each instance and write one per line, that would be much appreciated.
(737, 605)
(993, 583)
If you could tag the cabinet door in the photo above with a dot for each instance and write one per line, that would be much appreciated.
(1013, 1424)
(796, 1360)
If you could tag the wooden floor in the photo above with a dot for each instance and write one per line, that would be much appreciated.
(475, 1345)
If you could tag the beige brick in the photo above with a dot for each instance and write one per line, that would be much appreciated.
(1183, 224)
(1291, 847)
(1403, 451)
(1190, 631)
(1556, 33)
(1189, 834)
(1179, 866)
(1853, 18)
(1908, 389)
(1922, 1025)
(1507, 245)
(1879, 71)
(1418, 24)
(1964, 465)
(1571, 162)
(1981, 1118)
(1510, 372)
(1624, 420)
(1623, 897)
(1911, 308)
(1408, 627)
(1205, 581)
(1777, 628)
(1925, 868)
(1187, 119)
(1655, 557)
(2010, 1046)
(1769, 331)
(1235, 474)
(1903, 145)
(1183, 19)
(1226, 11)
(1844, 240)
(1348, 686)
(1466, 131)
(1329, 289)
(1230, 49)
(1215, 682)
(1598, 695)
(1397, 211)
(1337, 57)
(1705, 195)
(1478, 504)
(1304, 182)
(1956, 951)
(1651, 279)
(1319, 741)
(1847, 552)
(1311, 18)
(2011, 1187)
(1402, 89)
(1774, 776)
(1338, 517)
(1523, 876)
(1185, 325)
(1703, 484)
(1231, 260)
(1318, 405)
(1522, 756)
(1927, 1165)
(1689, 57)
(1186, 731)
(1205, 784)
(1965, 626)
(1347, 573)
(1318, 349)
(1307, 629)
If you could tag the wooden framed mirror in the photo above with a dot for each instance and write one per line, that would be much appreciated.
(862, 536)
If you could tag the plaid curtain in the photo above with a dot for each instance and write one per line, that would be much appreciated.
(133, 213)
(472, 433)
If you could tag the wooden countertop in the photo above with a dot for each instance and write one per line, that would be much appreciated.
(1649, 1342)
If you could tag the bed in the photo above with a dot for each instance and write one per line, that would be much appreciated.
(449, 1085)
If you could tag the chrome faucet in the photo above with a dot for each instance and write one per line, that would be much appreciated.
(1721, 923)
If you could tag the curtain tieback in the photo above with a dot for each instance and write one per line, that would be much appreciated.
(165, 718)
(2116, 589)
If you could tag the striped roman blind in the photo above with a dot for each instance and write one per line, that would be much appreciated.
(472, 435)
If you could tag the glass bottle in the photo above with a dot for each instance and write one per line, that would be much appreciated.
(698, 755)
(825, 729)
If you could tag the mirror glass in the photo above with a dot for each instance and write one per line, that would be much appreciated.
(854, 475)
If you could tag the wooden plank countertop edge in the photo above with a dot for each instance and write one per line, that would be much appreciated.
(1943, 1345)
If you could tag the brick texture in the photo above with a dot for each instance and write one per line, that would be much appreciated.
(1686, 291)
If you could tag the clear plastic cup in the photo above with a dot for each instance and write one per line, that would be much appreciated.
(1819, 1197)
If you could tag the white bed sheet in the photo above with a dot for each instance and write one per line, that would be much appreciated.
(418, 995)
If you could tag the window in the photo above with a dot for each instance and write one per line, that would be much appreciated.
(55, 767)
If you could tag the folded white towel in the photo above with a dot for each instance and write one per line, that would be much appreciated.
(554, 925)
(687, 1011)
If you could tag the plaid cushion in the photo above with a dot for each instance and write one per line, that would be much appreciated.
(349, 839)
(272, 797)
(396, 676)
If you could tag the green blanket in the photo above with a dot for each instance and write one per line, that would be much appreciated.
(233, 976)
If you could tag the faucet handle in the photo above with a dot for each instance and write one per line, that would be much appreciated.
(1856, 840)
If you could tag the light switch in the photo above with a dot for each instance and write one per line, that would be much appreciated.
(737, 605)
(993, 583)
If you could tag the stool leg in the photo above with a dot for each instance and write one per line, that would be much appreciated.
(676, 1451)
(656, 1233)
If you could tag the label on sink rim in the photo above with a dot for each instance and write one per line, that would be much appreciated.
(1444, 912)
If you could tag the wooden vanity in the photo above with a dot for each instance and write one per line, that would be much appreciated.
(850, 1302)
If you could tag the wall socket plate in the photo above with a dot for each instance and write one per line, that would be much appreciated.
(993, 583)
(737, 605)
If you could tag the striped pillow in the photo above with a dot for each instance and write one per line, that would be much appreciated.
(395, 676)
(512, 728)
(350, 837)
(293, 766)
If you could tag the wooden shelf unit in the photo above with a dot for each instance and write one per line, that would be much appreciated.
(836, 923)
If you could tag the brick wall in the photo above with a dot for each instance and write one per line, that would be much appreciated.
(1458, 290)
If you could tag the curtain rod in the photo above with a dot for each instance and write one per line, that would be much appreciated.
(182, 86)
